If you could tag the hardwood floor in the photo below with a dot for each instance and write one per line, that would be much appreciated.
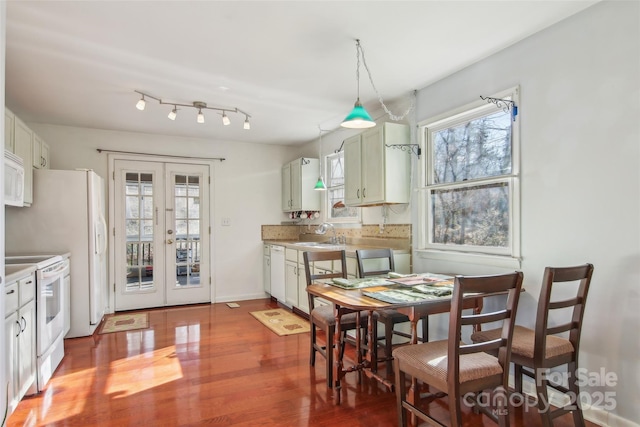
(209, 364)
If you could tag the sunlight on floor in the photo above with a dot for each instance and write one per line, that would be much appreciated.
(126, 377)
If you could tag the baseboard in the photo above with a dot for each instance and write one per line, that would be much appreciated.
(591, 413)
(232, 298)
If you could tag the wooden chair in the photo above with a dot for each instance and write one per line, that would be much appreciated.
(457, 369)
(541, 349)
(322, 316)
(389, 318)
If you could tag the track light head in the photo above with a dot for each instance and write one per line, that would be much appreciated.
(225, 119)
(141, 104)
(173, 113)
(200, 116)
(247, 125)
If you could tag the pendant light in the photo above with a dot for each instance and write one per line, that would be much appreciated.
(358, 118)
(320, 185)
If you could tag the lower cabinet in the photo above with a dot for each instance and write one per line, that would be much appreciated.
(20, 339)
(266, 269)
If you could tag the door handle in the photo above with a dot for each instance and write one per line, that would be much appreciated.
(169, 242)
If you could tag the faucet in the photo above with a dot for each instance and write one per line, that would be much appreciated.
(322, 229)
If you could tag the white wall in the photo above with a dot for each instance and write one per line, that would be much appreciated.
(580, 161)
(3, 388)
(246, 190)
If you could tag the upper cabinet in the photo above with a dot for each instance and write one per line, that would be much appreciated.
(9, 120)
(374, 172)
(40, 153)
(23, 142)
(298, 180)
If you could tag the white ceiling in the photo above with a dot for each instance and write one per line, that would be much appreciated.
(290, 64)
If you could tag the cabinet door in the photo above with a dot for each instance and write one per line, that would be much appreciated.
(44, 153)
(286, 187)
(373, 167)
(352, 171)
(266, 274)
(24, 148)
(303, 297)
(40, 153)
(27, 347)
(296, 185)
(11, 329)
(291, 283)
(8, 130)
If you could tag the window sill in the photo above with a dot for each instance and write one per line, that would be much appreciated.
(470, 258)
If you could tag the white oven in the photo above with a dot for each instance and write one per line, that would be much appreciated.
(50, 311)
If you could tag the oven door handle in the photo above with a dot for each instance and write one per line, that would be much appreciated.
(60, 268)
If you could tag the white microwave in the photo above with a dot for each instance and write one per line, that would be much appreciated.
(13, 179)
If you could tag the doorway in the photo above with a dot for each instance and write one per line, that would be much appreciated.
(161, 234)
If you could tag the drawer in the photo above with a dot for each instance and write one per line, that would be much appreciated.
(291, 255)
(27, 287)
(10, 298)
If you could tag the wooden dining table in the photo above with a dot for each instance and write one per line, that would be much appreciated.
(346, 301)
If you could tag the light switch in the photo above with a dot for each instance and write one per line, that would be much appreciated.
(226, 221)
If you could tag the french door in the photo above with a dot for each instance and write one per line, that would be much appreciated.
(161, 234)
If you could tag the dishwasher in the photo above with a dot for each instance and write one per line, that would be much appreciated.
(277, 272)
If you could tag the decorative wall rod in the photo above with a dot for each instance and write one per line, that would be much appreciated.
(100, 150)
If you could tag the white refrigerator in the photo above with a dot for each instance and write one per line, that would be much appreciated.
(67, 215)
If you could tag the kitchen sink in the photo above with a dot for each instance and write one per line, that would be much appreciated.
(323, 245)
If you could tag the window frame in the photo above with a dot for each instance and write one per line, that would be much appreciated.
(508, 256)
(328, 174)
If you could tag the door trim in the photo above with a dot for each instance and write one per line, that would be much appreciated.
(112, 157)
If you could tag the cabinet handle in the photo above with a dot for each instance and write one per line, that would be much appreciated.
(364, 193)
(12, 291)
(29, 282)
(358, 194)
(43, 162)
(19, 328)
(22, 319)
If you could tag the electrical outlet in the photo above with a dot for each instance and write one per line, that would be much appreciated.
(226, 221)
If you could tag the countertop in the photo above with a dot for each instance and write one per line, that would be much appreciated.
(15, 272)
(349, 247)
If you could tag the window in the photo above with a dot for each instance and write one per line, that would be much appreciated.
(470, 195)
(336, 209)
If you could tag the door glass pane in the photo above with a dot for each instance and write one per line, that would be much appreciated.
(187, 226)
(139, 231)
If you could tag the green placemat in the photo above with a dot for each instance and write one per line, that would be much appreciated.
(414, 294)
(360, 283)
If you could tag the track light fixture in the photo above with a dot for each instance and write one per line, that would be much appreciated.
(197, 105)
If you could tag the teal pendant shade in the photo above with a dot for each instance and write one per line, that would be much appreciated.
(359, 118)
(320, 186)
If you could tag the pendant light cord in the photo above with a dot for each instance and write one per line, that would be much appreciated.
(360, 51)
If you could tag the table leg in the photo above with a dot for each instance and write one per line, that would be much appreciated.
(413, 394)
(372, 354)
(337, 360)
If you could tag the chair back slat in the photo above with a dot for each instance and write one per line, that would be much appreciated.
(486, 346)
(479, 319)
(555, 305)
